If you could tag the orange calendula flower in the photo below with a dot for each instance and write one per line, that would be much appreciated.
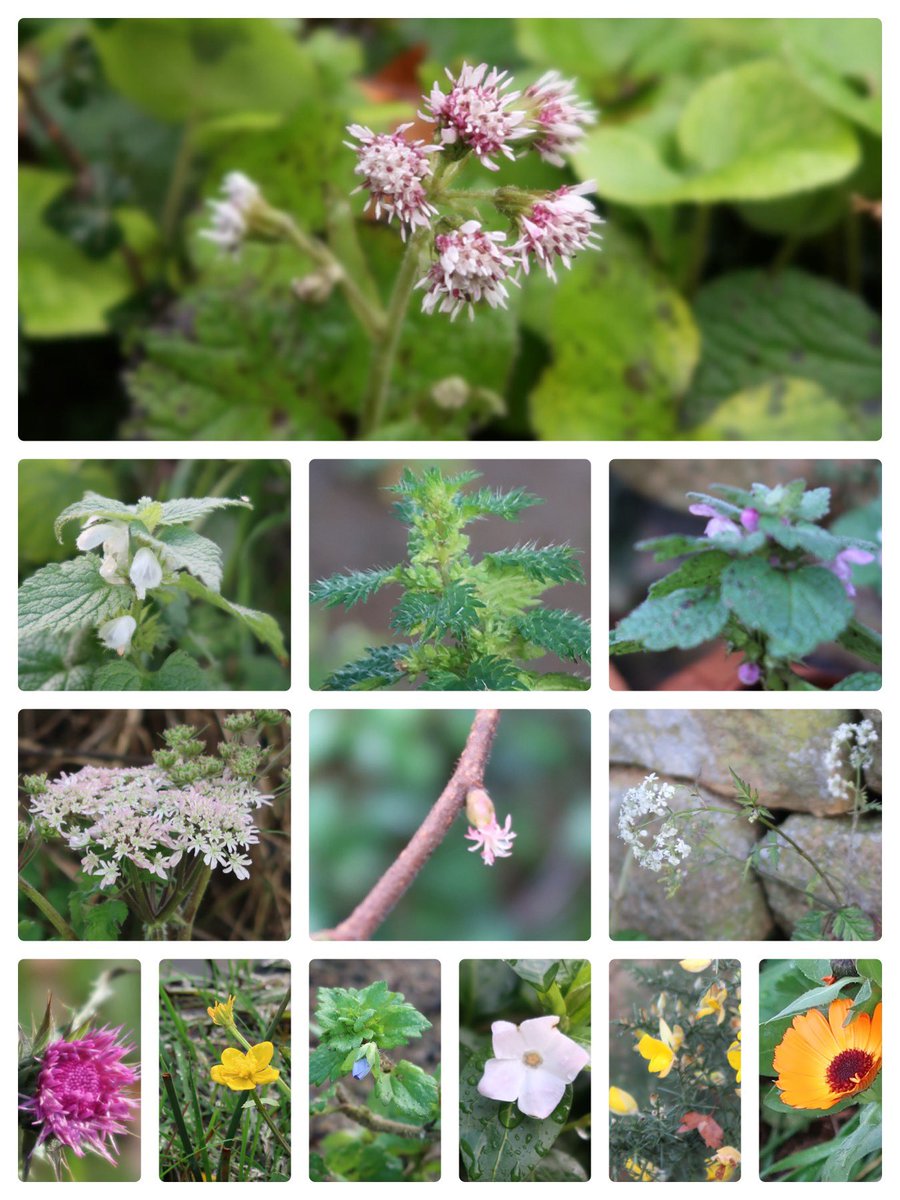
(713, 1003)
(245, 1072)
(821, 1061)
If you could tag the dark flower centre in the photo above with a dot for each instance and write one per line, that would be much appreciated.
(847, 1070)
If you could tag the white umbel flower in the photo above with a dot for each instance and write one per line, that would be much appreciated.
(145, 573)
(559, 227)
(471, 266)
(117, 634)
(393, 171)
(476, 112)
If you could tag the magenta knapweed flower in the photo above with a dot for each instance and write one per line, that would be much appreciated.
(559, 117)
(471, 266)
(476, 113)
(559, 226)
(533, 1063)
(844, 563)
(493, 840)
(81, 1098)
(393, 171)
(749, 674)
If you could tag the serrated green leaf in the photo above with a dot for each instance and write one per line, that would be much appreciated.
(673, 545)
(180, 512)
(93, 505)
(48, 663)
(182, 549)
(684, 619)
(803, 536)
(414, 1091)
(377, 668)
(261, 625)
(557, 631)
(68, 595)
(546, 564)
(179, 672)
(796, 610)
(851, 924)
(490, 503)
(324, 1063)
(859, 681)
(353, 587)
(120, 675)
(487, 674)
(454, 610)
(701, 570)
(781, 409)
(103, 921)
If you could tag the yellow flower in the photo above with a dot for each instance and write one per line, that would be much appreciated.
(640, 1169)
(244, 1072)
(694, 964)
(734, 1058)
(660, 1052)
(723, 1164)
(622, 1102)
(713, 1003)
(222, 1013)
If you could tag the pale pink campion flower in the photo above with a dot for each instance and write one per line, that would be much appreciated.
(749, 674)
(559, 226)
(559, 118)
(476, 113)
(493, 840)
(393, 171)
(750, 520)
(471, 266)
(844, 563)
(82, 1095)
(533, 1063)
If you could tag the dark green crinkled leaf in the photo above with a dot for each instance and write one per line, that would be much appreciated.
(48, 663)
(117, 675)
(684, 619)
(454, 610)
(701, 570)
(673, 545)
(796, 610)
(859, 681)
(68, 595)
(413, 1090)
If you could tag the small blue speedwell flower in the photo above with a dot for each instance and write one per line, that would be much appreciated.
(361, 1068)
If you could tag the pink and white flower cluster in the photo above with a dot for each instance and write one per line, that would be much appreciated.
(393, 171)
(471, 266)
(138, 815)
(476, 113)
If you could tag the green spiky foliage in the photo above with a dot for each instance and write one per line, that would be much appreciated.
(466, 625)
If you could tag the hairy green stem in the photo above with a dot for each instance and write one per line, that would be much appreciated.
(46, 908)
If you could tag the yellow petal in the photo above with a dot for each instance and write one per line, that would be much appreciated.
(260, 1056)
(694, 965)
(622, 1102)
(234, 1060)
(267, 1075)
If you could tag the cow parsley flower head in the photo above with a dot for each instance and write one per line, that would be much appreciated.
(559, 118)
(230, 217)
(393, 171)
(640, 807)
(559, 226)
(532, 1065)
(471, 266)
(476, 113)
(82, 1095)
(853, 746)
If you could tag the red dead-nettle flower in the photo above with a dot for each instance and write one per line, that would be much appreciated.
(559, 226)
(476, 113)
(82, 1099)
(470, 266)
(393, 171)
(559, 116)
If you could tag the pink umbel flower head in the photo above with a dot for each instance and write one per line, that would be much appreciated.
(493, 840)
(81, 1097)
(393, 171)
(476, 113)
(471, 266)
(844, 563)
(558, 227)
(559, 117)
(533, 1063)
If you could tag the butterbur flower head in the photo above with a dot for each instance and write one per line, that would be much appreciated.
(117, 634)
(493, 840)
(532, 1064)
(145, 573)
(246, 1072)
(558, 117)
(558, 227)
(476, 113)
(230, 217)
(82, 1096)
(471, 266)
(393, 171)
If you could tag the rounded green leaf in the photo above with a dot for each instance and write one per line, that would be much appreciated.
(782, 409)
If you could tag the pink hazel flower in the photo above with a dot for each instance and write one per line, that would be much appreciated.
(393, 171)
(493, 840)
(749, 674)
(533, 1063)
(82, 1099)
(559, 117)
(750, 520)
(717, 523)
(471, 266)
(476, 113)
(559, 226)
(844, 563)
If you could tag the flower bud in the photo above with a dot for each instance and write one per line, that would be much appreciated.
(117, 634)
(145, 573)
(479, 808)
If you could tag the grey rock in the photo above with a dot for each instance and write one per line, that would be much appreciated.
(873, 773)
(852, 861)
(714, 903)
(779, 752)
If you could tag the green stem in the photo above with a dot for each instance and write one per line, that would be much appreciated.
(46, 908)
(698, 248)
(268, 1120)
(178, 182)
(779, 832)
(193, 905)
(369, 314)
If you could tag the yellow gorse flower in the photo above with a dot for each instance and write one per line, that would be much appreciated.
(621, 1102)
(734, 1058)
(222, 1012)
(245, 1072)
(660, 1052)
(640, 1169)
(713, 1003)
(723, 1164)
(694, 965)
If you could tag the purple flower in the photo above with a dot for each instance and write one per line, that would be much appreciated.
(81, 1098)
(844, 563)
(471, 266)
(559, 117)
(717, 523)
(559, 226)
(750, 520)
(361, 1068)
(749, 674)
(393, 171)
(475, 112)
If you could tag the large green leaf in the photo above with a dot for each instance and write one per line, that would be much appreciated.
(48, 663)
(625, 347)
(762, 335)
(839, 60)
(68, 595)
(753, 132)
(498, 1143)
(263, 626)
(683, 618)
(796, 610)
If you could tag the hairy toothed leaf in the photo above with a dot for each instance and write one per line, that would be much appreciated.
(684, 619)
(180, 512)
(455, 610)
(701, 570)
(851, 924)
(263, 626)
(351, 588)
(350, 1017)
(93, 505)
(68, 595)
(859, 639)
(377, 668)
(796, 610)
(488, 503)
(325, 1063)
(488, 674)
(859, 681)
(182, 549)
(546, 564)
(673, 545)
(414, 1092)
(558, 631)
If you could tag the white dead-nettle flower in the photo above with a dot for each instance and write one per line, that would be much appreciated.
(117, 634)
(852, 745)
(145, 573)
(113, 536)
(639, 809)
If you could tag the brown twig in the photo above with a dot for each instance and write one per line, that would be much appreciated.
(364, 1116)
(469, 773)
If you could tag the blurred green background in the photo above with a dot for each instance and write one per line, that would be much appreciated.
(375, 775)
(255, 544)
(70, 983)
(737, 164)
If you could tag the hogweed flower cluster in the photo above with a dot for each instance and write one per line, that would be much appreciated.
(851, 745)
(119, 815)
(640, 807)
